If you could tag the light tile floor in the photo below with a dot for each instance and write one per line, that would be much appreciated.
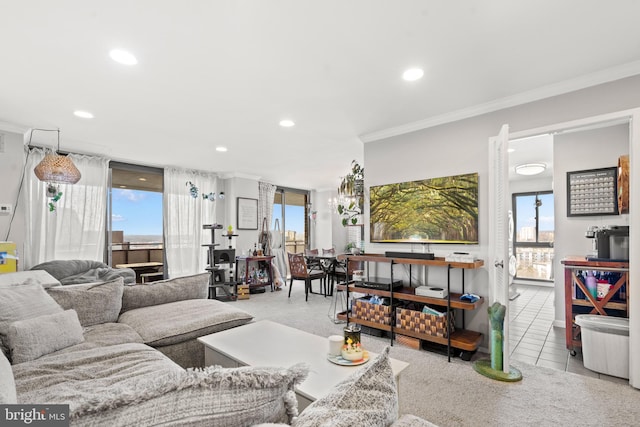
(534, 339)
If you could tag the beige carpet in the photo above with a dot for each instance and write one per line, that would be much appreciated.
(453, 394)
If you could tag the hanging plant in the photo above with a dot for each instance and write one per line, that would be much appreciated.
(54, 194)
(351, 192)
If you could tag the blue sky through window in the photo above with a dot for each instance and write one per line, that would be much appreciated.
(136, 212)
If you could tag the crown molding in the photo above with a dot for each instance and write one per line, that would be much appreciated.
(566, 86)
(13, 127)
(230, 175)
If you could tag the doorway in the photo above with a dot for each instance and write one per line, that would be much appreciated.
(135, 220)
(569, 232)
(290, 208)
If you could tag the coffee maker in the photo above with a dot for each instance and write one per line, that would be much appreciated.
(610, 242)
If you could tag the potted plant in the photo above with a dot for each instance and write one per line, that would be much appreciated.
(230, 230)
(352, 248)
(352, 191)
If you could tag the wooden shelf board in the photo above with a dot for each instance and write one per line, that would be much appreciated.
(609, 305)
(408, 294)
(437, 262)
(461, 338)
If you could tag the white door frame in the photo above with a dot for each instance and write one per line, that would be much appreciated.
(630, 116)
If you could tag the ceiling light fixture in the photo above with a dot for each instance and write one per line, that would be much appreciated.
(221, 149)
(530, 168)
(83, 114)
(287, 123)
(142, 179)
(413, 74)
(123, 57)
(55, 168)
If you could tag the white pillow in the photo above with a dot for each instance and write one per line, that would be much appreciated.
(21, 302)
(32, 338)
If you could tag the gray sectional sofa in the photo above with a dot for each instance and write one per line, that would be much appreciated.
(117, 355)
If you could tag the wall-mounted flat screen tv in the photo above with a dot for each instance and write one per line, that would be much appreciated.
(436, 210)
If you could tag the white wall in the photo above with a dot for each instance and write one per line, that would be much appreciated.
(11, 166)
(593, 149)
(462, 147)
(240, 187)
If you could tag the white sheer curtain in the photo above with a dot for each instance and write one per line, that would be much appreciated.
(266, 193)
(184, 217)
(76, 229)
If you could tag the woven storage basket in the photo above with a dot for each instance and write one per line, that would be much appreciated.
(363, 309)
(423, 323)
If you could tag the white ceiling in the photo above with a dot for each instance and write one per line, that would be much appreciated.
(226, 72)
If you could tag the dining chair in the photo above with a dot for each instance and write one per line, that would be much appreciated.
(300, 271)
(312, 262)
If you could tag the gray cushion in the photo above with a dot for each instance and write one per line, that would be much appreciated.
(94, 303)
(180, 321)
(164, 291)
(23, 302)
(7, 383)
(75, 271)
(32, 338)
(367, 398)
(103, 335)
(37, 277)
(134, 385)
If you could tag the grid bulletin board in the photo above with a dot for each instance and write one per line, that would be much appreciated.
(592, 192)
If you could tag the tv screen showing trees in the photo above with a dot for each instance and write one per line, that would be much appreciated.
(437, 210)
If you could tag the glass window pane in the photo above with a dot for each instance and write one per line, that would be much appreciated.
(545, 218)
(525, 218)
(535, 263)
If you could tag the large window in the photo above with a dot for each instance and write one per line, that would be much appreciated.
(135, 223)
(290, 208)
(534, 235)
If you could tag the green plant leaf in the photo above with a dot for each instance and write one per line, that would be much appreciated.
(344, 222)
(340, 209)
(354, 220)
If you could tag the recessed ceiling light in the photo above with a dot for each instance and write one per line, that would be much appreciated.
(123, 186)
(530, 168)
(123, 57)
(510, 150)
(142, 179)
(83, 114)
(287, 123)
(221, 149)
(413, 74)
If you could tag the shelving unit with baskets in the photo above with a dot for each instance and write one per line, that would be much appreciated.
(406, 323)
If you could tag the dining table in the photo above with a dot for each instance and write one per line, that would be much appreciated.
(327, 263)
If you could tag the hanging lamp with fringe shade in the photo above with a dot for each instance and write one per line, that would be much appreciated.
(56, 168)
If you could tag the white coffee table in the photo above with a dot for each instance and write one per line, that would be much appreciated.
(266, 343)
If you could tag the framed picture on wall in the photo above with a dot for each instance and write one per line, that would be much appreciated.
(247, 213)
(592, 192)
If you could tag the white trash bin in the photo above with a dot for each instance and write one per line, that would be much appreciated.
(605, 344)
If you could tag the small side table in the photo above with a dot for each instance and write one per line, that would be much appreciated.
(263, 262)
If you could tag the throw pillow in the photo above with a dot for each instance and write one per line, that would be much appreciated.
(369, 397)
(21, 302)
(32, 338)
(94, 303)
(164, 291)
(7, 384)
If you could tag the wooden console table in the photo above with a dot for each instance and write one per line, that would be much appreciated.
(264, 263)
(578, 299)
